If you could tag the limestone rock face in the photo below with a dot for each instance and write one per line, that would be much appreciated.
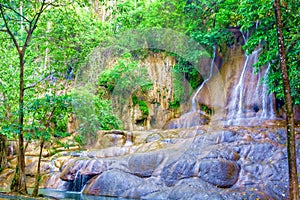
(112, 138)
(158, 67)
(188, 120)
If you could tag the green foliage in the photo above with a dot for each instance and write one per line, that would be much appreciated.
(56, 50)
(142, 105)
(107, 119)
(174, 104)
(144, 108)
(65, 35)
(259, 20)
(80, 139)
(182, 89)
(93, 114)
(189, 72)
(206, 109)
(126, 74)
(47, 117)
(134, 100)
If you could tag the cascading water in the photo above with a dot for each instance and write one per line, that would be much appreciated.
(267, 104)
(249, 102)
(195, 116)
(211, 71)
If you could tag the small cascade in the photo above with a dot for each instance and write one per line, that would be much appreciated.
(79, 182)
(211, 71)
(195, 116)
(129, 139)
(78, 174)
(249, 103)
(267, 101)
(55, 182)
(11, 150)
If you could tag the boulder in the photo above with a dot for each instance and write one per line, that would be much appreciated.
(191, 188)
(143, 165)
(177, 170)
(221, 172)
(114, 183)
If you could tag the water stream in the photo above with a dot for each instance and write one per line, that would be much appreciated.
(249, 101)
(194, 105)
(195, 116)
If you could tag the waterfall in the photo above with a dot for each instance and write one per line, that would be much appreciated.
(267, 101)
(195, 116)
(129, 139)
(79, 182)
(11, 150)
(249, 102)
(211, 71)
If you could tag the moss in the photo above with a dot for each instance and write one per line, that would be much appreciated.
(174, 104)
(206, 109)
(134, 100)
(144, 108)
(142, 105)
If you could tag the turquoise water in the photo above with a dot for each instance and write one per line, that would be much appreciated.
(59, 194)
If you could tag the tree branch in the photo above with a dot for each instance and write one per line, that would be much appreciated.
(3, 30)
(34, 84)
(16, 12)
(33, 25)
(9, 31)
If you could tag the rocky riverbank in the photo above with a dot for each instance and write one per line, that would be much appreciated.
(199, 163)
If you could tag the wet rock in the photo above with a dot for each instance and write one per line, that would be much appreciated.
(277, 189)
(143, 165)
(197, 163)
(109, 152)
(55, 182)
(31, 166)
(114, 183)
(205, 196)
(154, 137)
(221, 172)
(228, 136)
(221, 153)
(79, 172)
(177, 170)
(187, 120)
(5, 177)
(145, 189)
(246, 193)
(113, 138)
(84, 167)
(192, 188)
(261, 151)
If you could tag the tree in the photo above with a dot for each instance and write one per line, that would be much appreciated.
(10, 15)
(290, 122)
(48, 116)
(52, 46)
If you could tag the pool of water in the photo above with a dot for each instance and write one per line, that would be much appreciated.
(59, 194)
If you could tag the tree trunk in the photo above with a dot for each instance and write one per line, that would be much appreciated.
(19, 180)
(37, 175)
(3, 152)
(290, 122)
